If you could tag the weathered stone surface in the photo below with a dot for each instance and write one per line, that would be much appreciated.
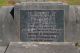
(72, 28)
(79, 49)
(2, 49)
(7, 25)
(42, 47)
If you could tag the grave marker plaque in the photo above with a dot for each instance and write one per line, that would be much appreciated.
(41, 21)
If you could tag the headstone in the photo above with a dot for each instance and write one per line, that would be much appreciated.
(40, 21)
(42, 47)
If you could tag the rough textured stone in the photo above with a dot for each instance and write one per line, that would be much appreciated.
(72, 28)
(7, 25)
(42, 47)
(2, 49)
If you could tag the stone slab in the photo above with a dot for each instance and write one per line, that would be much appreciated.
(42, 47)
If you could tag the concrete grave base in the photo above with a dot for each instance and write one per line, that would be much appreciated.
(42, 47)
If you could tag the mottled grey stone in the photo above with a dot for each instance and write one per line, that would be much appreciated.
(72, 28)
(7, 25)
(42, 47)
(2, 49)
(79, 49)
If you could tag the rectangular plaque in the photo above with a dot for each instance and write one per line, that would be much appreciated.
(41, 21)
(42, 25)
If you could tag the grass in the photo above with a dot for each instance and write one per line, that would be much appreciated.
(71, 2)
(74, 2)
(2, 2)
